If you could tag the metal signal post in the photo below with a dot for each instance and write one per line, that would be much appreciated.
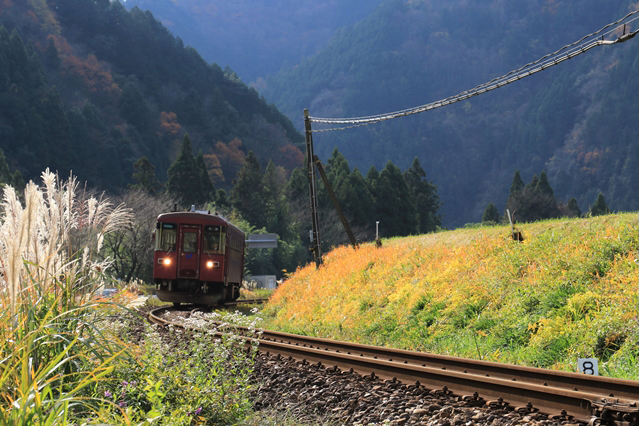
(315, 236)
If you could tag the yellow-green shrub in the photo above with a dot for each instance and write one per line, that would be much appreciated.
(556, 296)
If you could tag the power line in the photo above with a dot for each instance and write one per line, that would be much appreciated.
(568, 51)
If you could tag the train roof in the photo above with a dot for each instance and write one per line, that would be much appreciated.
(196, 218)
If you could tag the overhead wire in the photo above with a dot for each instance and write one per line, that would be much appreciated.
(568, 51)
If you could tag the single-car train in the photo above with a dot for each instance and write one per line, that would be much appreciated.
(198, 259)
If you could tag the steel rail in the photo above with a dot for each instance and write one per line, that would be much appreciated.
(603, 386)
(549, 400)
(561, 395)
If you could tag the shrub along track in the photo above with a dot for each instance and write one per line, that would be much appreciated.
(507, 389)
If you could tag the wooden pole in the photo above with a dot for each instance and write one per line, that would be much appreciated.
(316, 242)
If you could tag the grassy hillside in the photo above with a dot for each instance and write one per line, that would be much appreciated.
(568, 291)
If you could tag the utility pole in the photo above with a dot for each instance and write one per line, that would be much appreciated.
(315, 235)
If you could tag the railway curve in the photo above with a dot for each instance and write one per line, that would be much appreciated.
(561, 395)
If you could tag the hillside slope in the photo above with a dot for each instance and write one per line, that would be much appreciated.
(568, 291)
(91, 87)
(256, 37)
(578, 120)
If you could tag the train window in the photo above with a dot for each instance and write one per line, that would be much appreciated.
(189, 243)
(166, 236)
(214, 239)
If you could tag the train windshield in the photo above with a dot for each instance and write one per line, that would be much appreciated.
(165, 236)
(214, 239)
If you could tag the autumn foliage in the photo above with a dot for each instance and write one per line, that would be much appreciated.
(169, 123)
(568, 290)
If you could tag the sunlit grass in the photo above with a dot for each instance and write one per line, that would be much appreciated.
(70, 356)
(568, 291)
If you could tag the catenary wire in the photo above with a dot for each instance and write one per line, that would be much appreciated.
(568, 51)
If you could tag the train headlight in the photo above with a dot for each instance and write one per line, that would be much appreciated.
(209, 264)
(166, 261)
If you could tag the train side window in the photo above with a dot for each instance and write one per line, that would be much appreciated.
(166, 236)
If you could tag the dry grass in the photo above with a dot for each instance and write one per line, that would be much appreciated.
(564, 292)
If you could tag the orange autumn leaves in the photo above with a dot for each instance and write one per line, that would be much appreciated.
(570, 278)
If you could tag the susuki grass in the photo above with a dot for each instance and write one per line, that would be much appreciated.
(568, 291)
(66, 358)
(51, 350)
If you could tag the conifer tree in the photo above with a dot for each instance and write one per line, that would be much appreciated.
(600, 207)
(573, 208)
(221, 199)
(5, 173)
(207, 189)
(144, 176)
(543, 186)
(394, 204)
(276, 205)
(359, 201)
(536, 201)
(425, 195)
(247, 195)
(297, 187)
(518, 184)
(185, 178)
(491, 214)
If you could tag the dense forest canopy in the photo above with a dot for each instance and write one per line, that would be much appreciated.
(256, 38)
(103, 88)
(91, 87)
(577, 121)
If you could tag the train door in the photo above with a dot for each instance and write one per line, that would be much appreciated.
(189, 258)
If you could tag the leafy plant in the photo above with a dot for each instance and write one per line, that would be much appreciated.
(478, 293)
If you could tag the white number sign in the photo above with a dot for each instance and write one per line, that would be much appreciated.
(588, 366)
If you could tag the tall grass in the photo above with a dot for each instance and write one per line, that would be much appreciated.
(568, 291)
(66, 358)
(51, 346)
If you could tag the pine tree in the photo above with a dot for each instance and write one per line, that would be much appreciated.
(543, 186)
(358, 201)
(247, 195)
(535, 201)
(297, 187)
(221, 199)
(518, 184)
(491, 214)
(51, 58)
(425, 195)
(276, 205)
(144, 177)
(600, 207)
(394, 205)
(185, 177)
(5, 173)
(207, 189)
(573, 208)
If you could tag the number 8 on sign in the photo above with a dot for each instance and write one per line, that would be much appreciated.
(588, 366)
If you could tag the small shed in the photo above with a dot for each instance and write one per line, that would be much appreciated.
(264, 281)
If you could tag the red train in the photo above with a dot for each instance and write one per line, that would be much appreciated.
(199, 258)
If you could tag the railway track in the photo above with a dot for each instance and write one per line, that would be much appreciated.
(561, 395)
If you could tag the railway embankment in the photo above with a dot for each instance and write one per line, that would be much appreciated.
(567, 291)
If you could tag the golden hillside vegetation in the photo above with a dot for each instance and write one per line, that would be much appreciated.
(568, 291)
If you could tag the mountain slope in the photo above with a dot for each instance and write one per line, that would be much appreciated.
(91, 87)
(255, 37)
(576, 120)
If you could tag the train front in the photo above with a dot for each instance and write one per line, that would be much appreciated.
(189, 260)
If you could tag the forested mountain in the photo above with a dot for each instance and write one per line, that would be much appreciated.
(577, 121)
(256, 37)
(86, 85)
